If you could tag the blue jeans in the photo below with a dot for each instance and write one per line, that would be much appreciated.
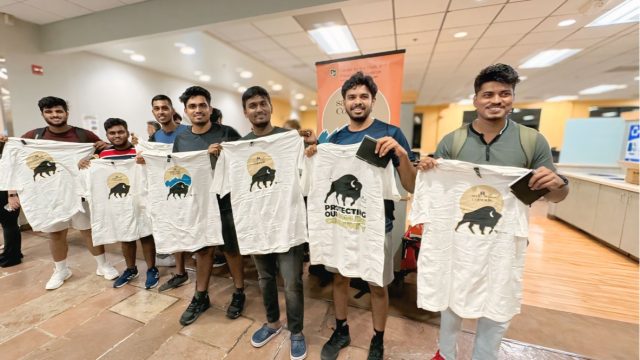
(290, 266)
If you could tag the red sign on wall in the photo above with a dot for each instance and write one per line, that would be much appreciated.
(37, 70)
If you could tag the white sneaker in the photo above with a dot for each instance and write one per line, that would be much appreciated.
(58, 278)
(166, 260)
(108, 271)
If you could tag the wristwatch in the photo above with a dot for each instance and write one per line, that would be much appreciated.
(564, 179)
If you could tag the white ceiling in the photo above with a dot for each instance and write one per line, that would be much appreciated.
(439, 67)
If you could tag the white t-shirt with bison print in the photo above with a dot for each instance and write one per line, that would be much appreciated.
(45, 173)
(115, 190)
(263, 178)
(184, 214)
(345, 206)
(474, 239)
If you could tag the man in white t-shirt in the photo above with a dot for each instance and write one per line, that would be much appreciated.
(495, 140)
(55, 113)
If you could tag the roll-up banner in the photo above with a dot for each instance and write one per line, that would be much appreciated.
(385, 68)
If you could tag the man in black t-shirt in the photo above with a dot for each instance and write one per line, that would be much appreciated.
(206, 135)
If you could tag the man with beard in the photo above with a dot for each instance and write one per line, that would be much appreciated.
(55, 113)
(359, 94)
(121, 149)
(493, 139)
(205, 135)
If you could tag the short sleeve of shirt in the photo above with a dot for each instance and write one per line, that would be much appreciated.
(31, 134)
(444, 146)
(220, 185)
(402, 140)
(232, 134)
(542, 154)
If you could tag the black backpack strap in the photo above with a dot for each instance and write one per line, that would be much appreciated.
(81, 134)
(40, 133)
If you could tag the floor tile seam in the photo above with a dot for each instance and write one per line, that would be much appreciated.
(118, 343)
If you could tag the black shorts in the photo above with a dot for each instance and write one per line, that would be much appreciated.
(228, 227)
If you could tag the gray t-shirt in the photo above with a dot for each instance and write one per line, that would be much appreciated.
(188, 141)
(504, 150)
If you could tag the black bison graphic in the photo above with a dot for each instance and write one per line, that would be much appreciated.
(45, 167)
(484, 217)
(180, 189)
(346, 186)
(264, 175)
(121, 189)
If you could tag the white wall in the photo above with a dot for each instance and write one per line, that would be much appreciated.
(92, 85)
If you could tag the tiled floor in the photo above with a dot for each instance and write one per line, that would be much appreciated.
(88, 319)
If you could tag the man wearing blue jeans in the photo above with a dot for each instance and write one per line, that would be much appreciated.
(493, 139)
(257, 108)
(359, 94)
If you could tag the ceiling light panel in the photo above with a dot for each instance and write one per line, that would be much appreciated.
(626, 12)
(548, 58)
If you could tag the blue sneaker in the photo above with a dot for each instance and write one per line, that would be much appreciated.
(263, 335)
(298, 347)
(153, 278)
(127, 275)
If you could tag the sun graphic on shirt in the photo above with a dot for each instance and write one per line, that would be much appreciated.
(117, 178)
(257, 161)
(36, 158)
(479, 196)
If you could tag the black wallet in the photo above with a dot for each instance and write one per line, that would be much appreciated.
(520, 188)
(367, 152)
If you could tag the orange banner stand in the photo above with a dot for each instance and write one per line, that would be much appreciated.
(385, 68)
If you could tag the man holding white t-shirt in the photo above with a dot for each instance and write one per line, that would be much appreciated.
(359, 94)
(493, 139)
(55, 113)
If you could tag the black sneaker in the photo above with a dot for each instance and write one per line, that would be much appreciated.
(219, 260)
(175, 281)
(236, 306)
(338, 340)
(376, 349)
(197, 307)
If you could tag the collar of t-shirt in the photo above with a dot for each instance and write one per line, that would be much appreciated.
(275, 130)
(481, 135)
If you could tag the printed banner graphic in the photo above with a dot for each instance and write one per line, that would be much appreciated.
(385, 68)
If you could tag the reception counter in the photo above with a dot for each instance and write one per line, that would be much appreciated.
(602, 204)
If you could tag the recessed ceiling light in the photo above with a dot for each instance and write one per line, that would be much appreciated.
(276, 87)
(246, 74)
(137, 57)
(548, 58)
(601, 89)
(179, 44)
(636, 78)
(567, 22)
(197, 73)
(465, 102)
(610, 114)
(242, 89)
(270, 82)
(626, 12)
(299, 96)
(303, 108)
(187, 50)
(562, 98)
(2, 59)
(313, 103)
(460, 34)
(523, 77)
(528, 117)
(335, 39)
(516, 110)
(205, 77)
(128, 51)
